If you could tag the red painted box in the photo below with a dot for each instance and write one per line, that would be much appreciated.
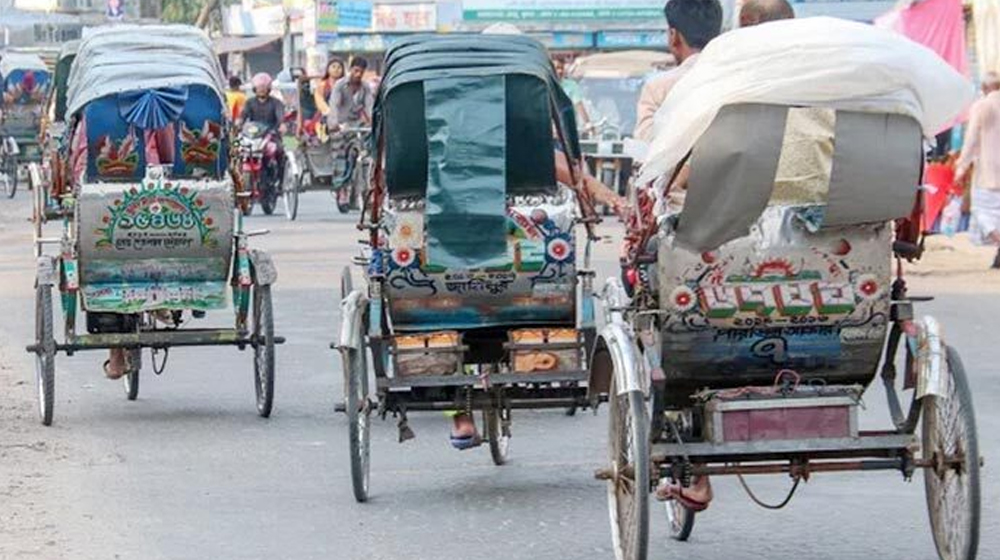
(832, 413)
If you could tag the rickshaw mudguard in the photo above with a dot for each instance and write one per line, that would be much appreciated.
(352, 311)
(618, 341)
(46, 271)
(264, 271)
(931, 362)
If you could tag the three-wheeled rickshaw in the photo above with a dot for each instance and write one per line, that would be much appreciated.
(473, 299)
(48, 177)
(25, 79)
(753, 319)
(154, 239)
(336, 161)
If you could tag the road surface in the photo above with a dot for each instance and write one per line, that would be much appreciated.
(190, 472)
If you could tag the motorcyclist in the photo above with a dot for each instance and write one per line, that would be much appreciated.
(268, 111)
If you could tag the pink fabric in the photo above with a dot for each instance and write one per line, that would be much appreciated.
(78, 152)
(938, 25)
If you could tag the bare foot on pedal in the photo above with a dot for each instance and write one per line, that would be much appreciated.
(463, 432)
(114, 367)
(695, 497)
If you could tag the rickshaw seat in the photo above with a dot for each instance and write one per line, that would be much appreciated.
(753, 279)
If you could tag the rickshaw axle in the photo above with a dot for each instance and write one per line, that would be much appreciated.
(157, 339)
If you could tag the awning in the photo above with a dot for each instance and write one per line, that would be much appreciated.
(226, 45)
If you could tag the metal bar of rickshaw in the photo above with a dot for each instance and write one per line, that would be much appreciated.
(158, 339)
(473, 380)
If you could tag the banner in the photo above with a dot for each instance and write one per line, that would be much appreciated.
(547, 10)
(405, 17)
(326, 20)
(354, 14)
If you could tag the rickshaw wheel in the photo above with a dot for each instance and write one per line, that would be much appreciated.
(357, 405)
(953, 492)
(628, 487)
(494, 419)
(9, 170)
(291, 196)
(263, 349)
(45, 355)
(131, 378)
(680, 520)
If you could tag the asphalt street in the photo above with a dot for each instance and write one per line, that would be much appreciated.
(190, 472)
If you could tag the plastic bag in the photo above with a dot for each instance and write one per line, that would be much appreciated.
(813, 61)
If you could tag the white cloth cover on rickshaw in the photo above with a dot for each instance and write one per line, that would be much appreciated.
(819, 61)
(152, 237)
(754, 279)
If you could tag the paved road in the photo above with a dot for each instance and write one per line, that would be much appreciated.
(190, 472)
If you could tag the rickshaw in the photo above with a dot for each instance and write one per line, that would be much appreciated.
(48, 178)
(750, 323)
(25, 80)
(151, 243)
(611, 83)
(473, 299)
(338, 162)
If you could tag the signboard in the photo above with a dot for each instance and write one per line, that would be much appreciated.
(632, 40)
(326, 20)
(36, 5)
(565, 40)
(269, 20)
(547, 10)
(395, 18)
(354, 14)
(449, 15)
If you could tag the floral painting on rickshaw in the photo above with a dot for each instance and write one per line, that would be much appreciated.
(201, 148)
(28, 90)
(119, 159)
(157, 216)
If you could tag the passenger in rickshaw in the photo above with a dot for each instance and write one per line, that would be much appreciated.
(269, 112)
(323, 90)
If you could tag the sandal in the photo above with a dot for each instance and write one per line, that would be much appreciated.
(466, 442)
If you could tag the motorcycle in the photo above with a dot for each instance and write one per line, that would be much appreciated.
(262, 173)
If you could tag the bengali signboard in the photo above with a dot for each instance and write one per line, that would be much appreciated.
(354, 15)
(402, 18)
(547, 10)
(641, 39)
(326, 20)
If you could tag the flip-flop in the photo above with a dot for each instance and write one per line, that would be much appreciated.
(673, 492)
(466, 442)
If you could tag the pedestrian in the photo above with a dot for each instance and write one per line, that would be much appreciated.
(692, 24)
(235, 98)
(981, 157)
